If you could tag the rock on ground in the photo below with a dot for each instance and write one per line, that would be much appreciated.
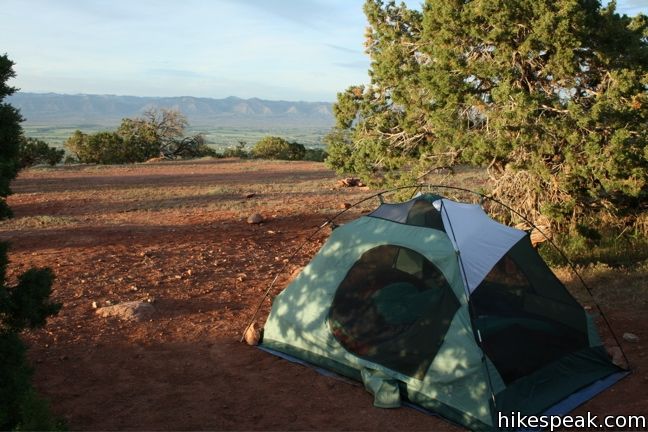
(350, 182)
(129, 311)
(252, 335)
(255, 218)
(617, 356)
(630, 337)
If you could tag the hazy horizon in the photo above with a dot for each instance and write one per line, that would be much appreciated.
(281, 50)
(165, 97)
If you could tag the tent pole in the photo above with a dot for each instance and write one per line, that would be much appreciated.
(476, 334)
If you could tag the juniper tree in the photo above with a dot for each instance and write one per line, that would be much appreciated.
(10, 135)
(550, 95)
(23, 305)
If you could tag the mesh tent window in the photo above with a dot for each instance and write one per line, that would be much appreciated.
(393, 308)
(417, 212)
(525, 315)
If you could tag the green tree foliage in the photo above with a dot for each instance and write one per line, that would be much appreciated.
(33, 151)
(188, 147)
(10, 133)
(141, 138)
(24, 305)
(156, 133)
(272, 147)
(101, 148)
(239, 151)
(315, 155)
(550, 95)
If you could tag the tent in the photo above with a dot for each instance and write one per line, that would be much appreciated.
(433, 303)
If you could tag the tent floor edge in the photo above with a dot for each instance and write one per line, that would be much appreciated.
(309, 359)
(538, 392)
(583, 395)
(412, 399)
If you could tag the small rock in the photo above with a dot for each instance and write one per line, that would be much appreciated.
(255, 218)
(617, 356)
(241, 277)
(630, 337)
(350, 182)
(345, 205)
(250, 195)
(94, 305)
(252, 335)
(129, 311)
(295, 273)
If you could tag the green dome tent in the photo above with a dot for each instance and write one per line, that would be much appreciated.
(433, 302)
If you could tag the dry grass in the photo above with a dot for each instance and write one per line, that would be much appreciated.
(36, 222)
(616, 287)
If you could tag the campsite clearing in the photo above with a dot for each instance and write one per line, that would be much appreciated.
(176, 234)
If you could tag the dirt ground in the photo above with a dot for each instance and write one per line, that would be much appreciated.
(176, 233)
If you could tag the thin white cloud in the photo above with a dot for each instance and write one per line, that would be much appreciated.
(285, 49)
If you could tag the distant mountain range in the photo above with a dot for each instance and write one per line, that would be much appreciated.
(108, 110)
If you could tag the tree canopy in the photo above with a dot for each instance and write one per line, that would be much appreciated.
(272, 147)
(33, 151)
(549, 95)
(24, 304)
(10, 135)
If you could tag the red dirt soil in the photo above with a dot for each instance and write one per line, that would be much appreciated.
(176, 233)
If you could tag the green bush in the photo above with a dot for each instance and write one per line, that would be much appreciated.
(188, 147)
(157, 133)
(69, 159)
(611, 248)
(272, 147)
(33, 151)
(237, 152)
(315, 155)
(10, 134)
(203, 150)
(101, 148)
(340, 151)
(23, 305)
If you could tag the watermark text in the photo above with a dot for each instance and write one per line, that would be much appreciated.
(516, 420)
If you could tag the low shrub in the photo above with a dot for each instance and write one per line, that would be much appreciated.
(272, 147)
(237, 152)
(315, 155)
(32, 151)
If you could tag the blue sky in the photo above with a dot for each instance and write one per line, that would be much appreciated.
(272, 49)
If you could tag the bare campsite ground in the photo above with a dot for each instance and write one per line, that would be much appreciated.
(176, 233)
